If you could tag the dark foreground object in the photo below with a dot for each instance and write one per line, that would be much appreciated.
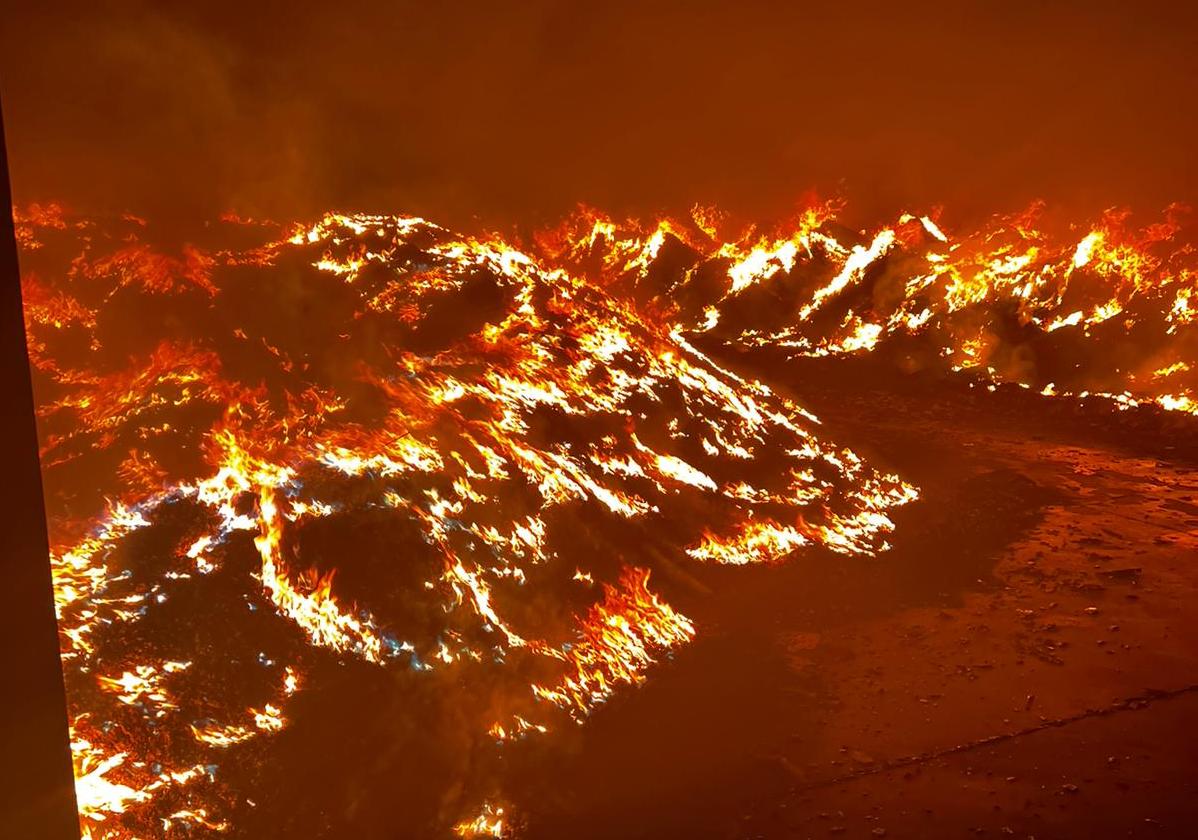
(37, 796)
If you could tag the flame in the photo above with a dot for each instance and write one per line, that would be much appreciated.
(489, 823)
(484, 400)
(617, 642)
(495, 400)
(814, 291)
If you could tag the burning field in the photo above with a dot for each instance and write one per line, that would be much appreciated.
(359, 526)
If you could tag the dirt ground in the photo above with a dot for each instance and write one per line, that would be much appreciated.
(1023, 662)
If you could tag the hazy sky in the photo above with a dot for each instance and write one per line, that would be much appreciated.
(516, 111)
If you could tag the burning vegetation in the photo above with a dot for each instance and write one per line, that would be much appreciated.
(1105, 310)
(372, 441)
(372, 456)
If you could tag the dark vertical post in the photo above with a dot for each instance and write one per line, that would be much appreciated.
(37, 793)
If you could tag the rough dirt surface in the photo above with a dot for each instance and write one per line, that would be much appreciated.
(1023, 662)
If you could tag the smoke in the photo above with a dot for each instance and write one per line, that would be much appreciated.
(481, 114)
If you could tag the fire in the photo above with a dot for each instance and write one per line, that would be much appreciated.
(463, 460)
(144, 686)
(755, 542)
(489, 823)
(108, 785)
(1009, 302)
(617, 642)
(474, 405)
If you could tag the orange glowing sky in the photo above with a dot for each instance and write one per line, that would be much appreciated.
(515, 112)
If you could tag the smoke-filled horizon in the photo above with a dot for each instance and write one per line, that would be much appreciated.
(486, 114)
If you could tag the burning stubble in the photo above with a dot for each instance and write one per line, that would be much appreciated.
(240, 503)
(459, 480)
(273, 511)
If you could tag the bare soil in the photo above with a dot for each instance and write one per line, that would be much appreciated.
(1023, 662)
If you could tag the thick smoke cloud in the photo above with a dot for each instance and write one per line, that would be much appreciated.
(499, 113)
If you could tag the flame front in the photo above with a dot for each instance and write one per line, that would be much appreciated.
(371, 440)
(1101, 310)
